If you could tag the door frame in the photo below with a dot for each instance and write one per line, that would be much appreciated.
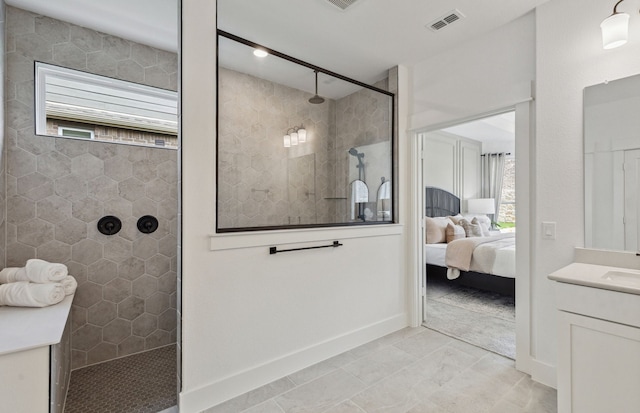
(524, 155)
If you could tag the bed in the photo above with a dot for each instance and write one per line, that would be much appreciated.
(484, 260)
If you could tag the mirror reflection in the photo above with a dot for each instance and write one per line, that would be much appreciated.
(298, 147)
(76, 104)
(612, 164)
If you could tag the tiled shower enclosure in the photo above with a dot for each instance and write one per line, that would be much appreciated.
(57, 190)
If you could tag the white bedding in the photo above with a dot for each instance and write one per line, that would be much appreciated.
(434, 254)
(502, 247)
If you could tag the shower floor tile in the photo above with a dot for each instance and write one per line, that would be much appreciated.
(140, 383)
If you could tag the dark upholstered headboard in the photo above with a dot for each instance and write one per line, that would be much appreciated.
(440, 203)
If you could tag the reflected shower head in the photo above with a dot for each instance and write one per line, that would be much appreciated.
(353, 151)
(316, 99)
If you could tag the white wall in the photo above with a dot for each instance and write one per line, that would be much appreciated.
(569, 58)
(487, 73)
(559, 46)
(250, 317)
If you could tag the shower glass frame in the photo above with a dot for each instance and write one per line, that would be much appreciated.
(235, 196)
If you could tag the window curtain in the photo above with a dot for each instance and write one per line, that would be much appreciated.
(492, 174)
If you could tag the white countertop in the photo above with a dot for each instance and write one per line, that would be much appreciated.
(24, 328)
(592, 275)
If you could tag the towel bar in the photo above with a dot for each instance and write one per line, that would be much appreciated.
(275, 250)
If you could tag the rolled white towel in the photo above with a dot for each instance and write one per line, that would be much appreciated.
(70, 284)
(10, 275)
(26, 294)
(40, 271)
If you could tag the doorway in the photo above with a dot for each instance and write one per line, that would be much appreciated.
(439, 291)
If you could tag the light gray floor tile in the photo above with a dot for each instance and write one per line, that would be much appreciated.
(443, 365)
(424, 343)
(394, 394)
(504, 406)
(321, 394)
(346, 407)
(533, 396)
(253, 397)
(380, 364)
(386, 341)
(470, 392)
(270, 406)
(322, 368)
(427, 407)
(410, 371)
(498, 367)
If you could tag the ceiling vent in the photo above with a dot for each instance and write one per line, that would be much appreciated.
(342, 4)
(446, 20)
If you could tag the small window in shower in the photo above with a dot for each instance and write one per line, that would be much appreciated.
(299, 146)
(75, 132)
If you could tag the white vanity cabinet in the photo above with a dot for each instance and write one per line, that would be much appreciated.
(34, 358)
(598, 344)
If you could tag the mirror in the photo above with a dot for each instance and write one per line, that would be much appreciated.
(612, 164)
(293, 139)
(75, 104)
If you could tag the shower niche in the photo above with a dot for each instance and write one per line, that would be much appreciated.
(294, 141)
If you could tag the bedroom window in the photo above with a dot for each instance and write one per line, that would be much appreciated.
(507, 214)
(300, 146)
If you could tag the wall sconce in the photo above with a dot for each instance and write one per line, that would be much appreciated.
(299, 135)
(615, 29)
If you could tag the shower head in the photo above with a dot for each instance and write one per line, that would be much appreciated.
(353, 152)
(316, 99)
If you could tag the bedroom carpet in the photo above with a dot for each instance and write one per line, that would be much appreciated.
(478, 317)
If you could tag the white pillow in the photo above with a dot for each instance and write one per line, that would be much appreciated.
(435, 229)
(482, 220)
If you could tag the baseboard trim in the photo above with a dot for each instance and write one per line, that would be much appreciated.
(544, 373)
(204, 397)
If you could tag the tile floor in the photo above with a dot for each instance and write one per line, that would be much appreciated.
(140, 383)
(414, 370)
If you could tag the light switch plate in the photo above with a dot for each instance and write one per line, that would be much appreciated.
(548, 230)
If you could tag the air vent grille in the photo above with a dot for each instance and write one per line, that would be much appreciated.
(342, 4)
(445, 20)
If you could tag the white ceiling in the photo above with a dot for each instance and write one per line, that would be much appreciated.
(498, 130)
(361, 42)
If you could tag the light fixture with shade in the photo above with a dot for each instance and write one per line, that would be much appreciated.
(615, 28)
(298, 135)
(481, 206)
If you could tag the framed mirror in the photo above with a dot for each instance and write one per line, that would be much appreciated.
(75, 104)
(612, 164)
(293, 137)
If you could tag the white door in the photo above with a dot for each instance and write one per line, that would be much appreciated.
(631, 194)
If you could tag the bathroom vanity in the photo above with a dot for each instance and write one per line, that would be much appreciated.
(599, 333)
(35, 362)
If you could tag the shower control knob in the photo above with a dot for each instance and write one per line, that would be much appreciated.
(109, 225)
(147, 224)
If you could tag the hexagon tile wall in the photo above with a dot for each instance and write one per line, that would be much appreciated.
(57, 190)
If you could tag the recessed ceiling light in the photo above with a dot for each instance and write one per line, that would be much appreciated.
(260, 53)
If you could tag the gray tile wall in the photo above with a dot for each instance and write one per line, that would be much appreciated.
(3, 175)
(57, 189)
(253, 181)
(262, 183)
